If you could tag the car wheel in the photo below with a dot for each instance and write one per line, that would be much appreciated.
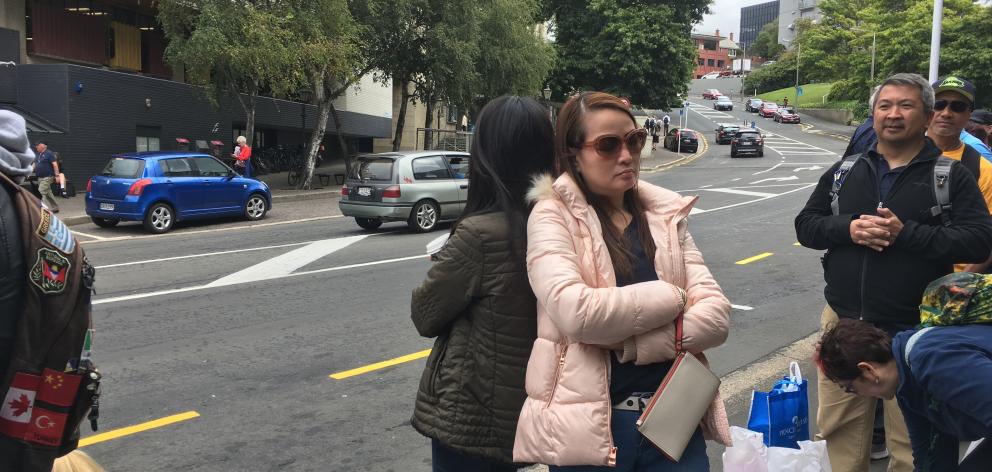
(424, 216)
(733, 152)
(160, 218)
(255, 207)
(761, 153)
(105, 222)
(369, 223)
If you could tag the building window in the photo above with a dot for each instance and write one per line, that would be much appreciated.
(702, 62)
(719, 63)
(709, 62)
(452, 114)
(147, 138)
(732, 52)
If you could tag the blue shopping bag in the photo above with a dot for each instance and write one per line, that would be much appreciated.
(782, 414)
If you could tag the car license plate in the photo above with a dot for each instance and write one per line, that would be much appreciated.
(365, 191)
(107, 206)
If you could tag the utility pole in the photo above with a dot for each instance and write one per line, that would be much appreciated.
(799, 48)
(938, 15)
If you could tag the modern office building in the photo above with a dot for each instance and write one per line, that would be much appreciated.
(755, 17)
(791, 11)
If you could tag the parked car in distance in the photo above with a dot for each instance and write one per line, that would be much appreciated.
(711, 94)
(786, 115)
(723, 103)
(768, 109)
(160, 188)
(421, 188)
(753, 104)
(724, 133)
(687, 138)
(711, 75)
(747, 141)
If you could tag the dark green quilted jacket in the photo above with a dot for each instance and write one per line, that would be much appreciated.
(478, 303)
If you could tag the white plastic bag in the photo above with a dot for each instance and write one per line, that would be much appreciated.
(749, 454)
(810, 457)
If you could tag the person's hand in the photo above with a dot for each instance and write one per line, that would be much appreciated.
(866, 232)
(890, 222)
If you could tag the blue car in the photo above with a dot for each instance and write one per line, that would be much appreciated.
(161, 188)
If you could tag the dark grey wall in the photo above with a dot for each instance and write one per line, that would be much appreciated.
(102, 119)
(10, 51)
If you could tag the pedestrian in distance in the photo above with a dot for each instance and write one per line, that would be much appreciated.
(983, 118)
(477, 301)
(978, 131)
(941, 378)
(666, 120)
(884, 243)
(46, 169)
(954, 100)
(655, 129)
(242, 156)
(612, 264)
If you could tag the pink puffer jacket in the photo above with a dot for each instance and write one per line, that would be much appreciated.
(582, 316)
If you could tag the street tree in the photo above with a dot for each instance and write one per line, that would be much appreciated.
(639, 49)
(766, 43)
(233, 49)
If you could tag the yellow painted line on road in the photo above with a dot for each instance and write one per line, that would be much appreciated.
(381, 365)
(678, 162)
(754, 258)
(796, 244)
(138, 428)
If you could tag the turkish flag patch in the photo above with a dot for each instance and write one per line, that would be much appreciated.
(58, 388)
(46, 427)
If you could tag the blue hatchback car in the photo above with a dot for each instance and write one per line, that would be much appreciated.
(160, 188)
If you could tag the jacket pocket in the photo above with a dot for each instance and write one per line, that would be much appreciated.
(442, 350)
(557, 377)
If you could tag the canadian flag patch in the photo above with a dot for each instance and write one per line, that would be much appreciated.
(15, 413)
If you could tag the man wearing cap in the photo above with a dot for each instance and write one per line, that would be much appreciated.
(954, 100)
(983, 118)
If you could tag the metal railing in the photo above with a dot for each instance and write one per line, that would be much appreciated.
(443, 140)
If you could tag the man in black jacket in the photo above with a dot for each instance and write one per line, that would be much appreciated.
(884, 246)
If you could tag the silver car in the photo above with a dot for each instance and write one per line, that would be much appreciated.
(419, 187)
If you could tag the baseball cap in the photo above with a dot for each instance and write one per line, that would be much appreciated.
(982, 117)
(955, 84)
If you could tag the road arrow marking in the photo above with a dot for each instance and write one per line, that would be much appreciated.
(741, 192)
(289, 262)
(797, 169)
(776, 179)
(742, 307)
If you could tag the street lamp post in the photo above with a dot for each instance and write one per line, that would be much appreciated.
(799, 48)
(935, 30)
(546, 94)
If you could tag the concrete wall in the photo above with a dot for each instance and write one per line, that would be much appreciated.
(416, 117)
(368, 97)
(12, 17)
(841, 116)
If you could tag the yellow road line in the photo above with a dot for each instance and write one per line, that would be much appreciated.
(754, 258)
(381, 365)
(796, 244)
(118, 433)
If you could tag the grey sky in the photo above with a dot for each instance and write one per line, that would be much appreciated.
(725, 15)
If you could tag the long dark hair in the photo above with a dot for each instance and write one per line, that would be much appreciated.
(513, 141)
(569, 136)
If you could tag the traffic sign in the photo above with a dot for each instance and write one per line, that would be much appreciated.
(799, 91)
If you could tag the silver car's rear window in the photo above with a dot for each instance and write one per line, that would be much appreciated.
(373, 168)
(123, 168)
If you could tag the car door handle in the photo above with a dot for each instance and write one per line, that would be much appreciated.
(463, 186)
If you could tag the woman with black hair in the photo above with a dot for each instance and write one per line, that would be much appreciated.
(477, 301)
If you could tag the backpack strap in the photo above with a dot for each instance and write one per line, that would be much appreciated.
(970, 158)
(839, 176)
(942, 189)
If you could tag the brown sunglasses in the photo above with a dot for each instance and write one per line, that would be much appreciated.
(610, 145)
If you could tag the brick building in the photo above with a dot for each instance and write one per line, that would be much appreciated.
(715, 53)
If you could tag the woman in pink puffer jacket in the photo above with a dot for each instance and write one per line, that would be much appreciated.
(611, 264)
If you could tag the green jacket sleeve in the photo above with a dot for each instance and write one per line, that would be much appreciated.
(451, 283)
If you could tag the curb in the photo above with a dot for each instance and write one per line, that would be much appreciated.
(678, 162)
(318, 195)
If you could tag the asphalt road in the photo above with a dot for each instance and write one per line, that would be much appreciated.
(238, 328)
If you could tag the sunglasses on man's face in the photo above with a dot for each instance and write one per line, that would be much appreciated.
(610, 145)
(957, 106)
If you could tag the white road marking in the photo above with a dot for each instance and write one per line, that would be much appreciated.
(706, 186)
(735, 205)
(797, 169)
(139, 296)
(214, 230)
(735, 180)
(741, 192)
(742, 307)
(768, 169)
(93, 236)
(289, 262)
(207, 254)
(696, 211)
(776, 179)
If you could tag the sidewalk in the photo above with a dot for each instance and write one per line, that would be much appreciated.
(661, 157)
(72, 211)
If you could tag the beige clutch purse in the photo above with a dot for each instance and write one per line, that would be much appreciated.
(675, 411)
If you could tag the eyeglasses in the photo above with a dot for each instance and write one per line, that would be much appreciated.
(610, 145)
(957, 106)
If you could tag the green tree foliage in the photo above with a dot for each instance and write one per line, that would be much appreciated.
(770, 77)
(231, 48)
(766, 44)
(635, 48)
(513, 58)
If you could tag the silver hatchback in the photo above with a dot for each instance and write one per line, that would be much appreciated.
(421, 188)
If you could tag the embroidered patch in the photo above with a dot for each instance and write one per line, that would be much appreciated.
(53, 230)
(50, 271)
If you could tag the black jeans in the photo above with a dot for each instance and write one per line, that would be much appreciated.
(445, 459)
